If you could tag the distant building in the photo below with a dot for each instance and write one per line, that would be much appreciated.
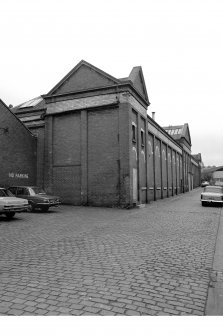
(213, 174)
(96, 145)
(192, 163)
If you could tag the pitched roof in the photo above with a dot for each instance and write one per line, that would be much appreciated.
(30, 105)
(178, 132)
(197, 157)
(83, 76)
(5, 107)
(137, 78)
(86, 76)
(174, 131)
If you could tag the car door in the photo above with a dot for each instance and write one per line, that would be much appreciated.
(22, 192)
(13, 190)
(26, 193)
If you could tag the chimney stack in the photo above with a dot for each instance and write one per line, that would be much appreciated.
(153, 116)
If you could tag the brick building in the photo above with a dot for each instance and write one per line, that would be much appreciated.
(96, 145)
(196, 167)
(17, 150)
(191, 169)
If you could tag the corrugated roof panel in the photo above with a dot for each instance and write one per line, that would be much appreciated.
(31, 103)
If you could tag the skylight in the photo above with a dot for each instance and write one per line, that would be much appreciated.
(175, 131)
(31, 103)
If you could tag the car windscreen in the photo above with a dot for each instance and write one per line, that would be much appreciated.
(36, 190)
(5, 193)
(213, 189)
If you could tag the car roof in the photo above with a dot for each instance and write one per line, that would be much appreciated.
(214, 186)
(22, 186)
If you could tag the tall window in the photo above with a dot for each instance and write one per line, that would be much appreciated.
(133, 132)
(142, 138)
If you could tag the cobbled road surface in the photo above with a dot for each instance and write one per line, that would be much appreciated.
(155, 260)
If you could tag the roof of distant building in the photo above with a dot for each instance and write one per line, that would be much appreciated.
(30, 105)
(178, 132)
(212, 169)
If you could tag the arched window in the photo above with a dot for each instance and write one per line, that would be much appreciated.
(164, 154)
(142, 138)
(134, 132)
(157, 152)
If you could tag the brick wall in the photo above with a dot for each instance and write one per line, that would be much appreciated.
(151, 180)
(92, 159)
(92, 151)
(66, 158)
(125, 148)
(142, 160)
(174, 171)
(158, 168)
(17, 151)
(170, 171)
(134, 169)
(87, 78)
(39, 132)
(164, 170)
(103, 158)
(87, 159)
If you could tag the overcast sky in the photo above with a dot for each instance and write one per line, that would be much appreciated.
(178, 43)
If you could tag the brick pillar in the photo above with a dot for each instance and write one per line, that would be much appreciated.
(48, 170)
(161, 167)
(84, 152)
(154, 165)
(167, 172)
(172, 170)
(125, 144)
(138, 154)
(147, 161)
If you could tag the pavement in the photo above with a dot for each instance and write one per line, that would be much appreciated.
(157, 260)
(214, 305)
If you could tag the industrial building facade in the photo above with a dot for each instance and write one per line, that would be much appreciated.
(96, 144)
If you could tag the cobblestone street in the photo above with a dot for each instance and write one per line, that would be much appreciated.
(155, 260)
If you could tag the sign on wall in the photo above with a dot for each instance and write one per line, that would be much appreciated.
(18, 175)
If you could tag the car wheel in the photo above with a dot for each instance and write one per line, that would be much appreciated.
(31, 208)
(44, 209)
(10, 215)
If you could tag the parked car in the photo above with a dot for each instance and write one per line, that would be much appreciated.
(212, 194)
(36, 197)
(204, 183)
(9, 204)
